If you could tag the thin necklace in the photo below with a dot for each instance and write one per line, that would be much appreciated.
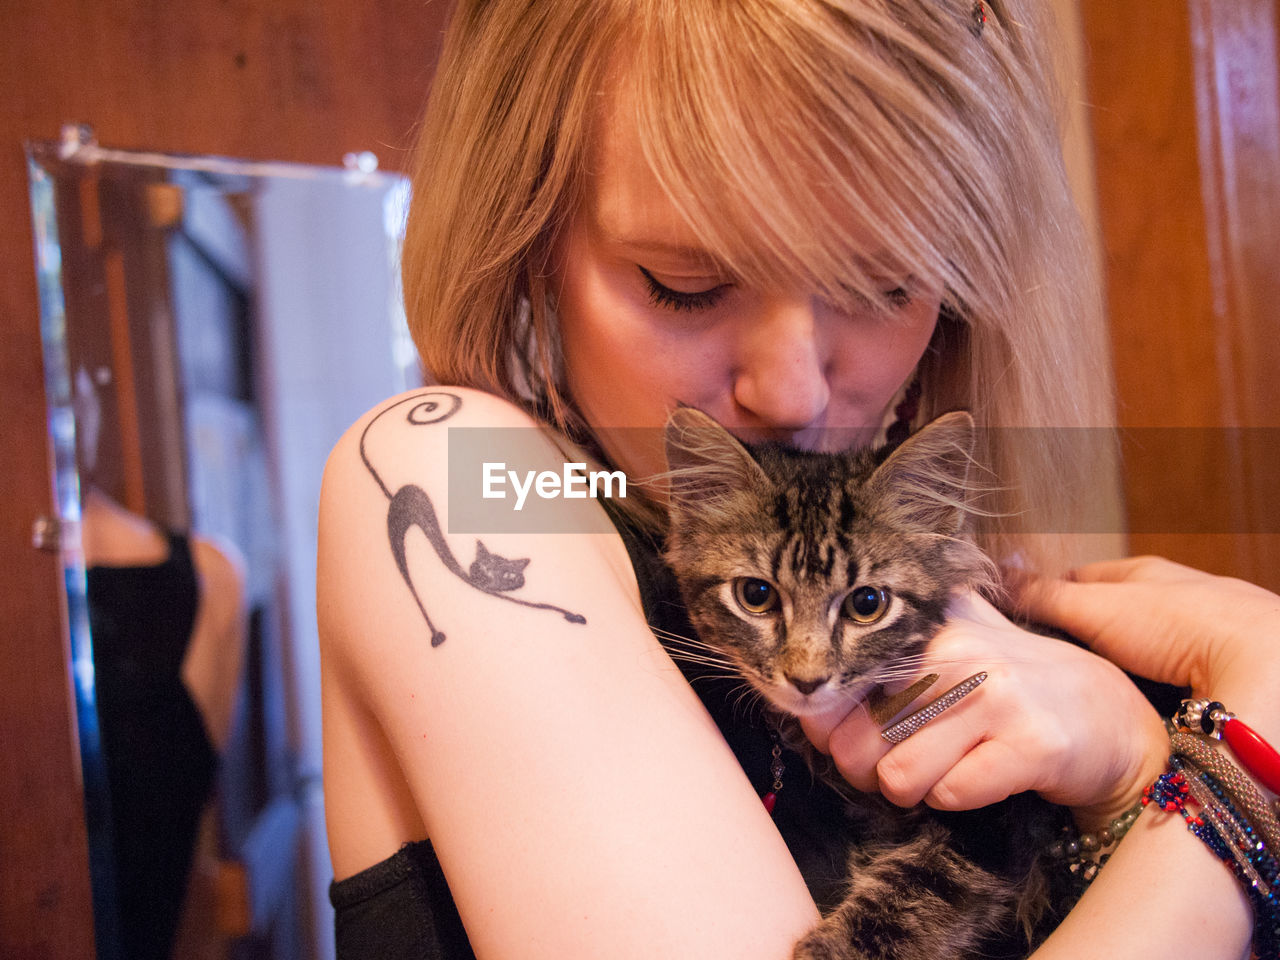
(777, 768)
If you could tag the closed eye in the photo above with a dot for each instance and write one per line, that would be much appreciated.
(892, 298)
(660, 295)
(898, 297)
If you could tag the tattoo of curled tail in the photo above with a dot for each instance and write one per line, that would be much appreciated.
(411, 506)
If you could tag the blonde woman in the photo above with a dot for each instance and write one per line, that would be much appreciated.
(804, 218)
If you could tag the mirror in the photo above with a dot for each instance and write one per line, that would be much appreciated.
(210, 328)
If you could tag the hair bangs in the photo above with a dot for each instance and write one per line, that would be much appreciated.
(808, 162)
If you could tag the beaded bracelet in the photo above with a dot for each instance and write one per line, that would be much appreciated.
(1254, 866)
(1084, 854)
(1206, 759)
(1232, 839)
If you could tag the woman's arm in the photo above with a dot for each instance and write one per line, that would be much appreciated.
(215, 656)
(580, 800)
(1162, 893)
(1163, 890)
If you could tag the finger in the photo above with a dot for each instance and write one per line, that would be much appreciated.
(887, 702)
(856, 748)
(881, 705)
(897, 732)
(987, 774)
(910, 770)
(1146, 568)
(1085, 610)
(818, 727)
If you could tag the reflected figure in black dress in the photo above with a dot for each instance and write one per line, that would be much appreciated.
(167, 645)
(168, 628)
(160, 761)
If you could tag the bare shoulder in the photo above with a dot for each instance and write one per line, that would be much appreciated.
(418, 608)
(436, 475)
(491, 683)
(409, 434)
(220, 565)
(115, 536)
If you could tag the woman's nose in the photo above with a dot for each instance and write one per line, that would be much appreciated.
(781, 377)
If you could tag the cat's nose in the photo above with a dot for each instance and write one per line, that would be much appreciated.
(806, 686)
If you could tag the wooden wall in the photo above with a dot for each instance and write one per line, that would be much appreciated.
(1185, 109)
(293, 80)
(1183, 101)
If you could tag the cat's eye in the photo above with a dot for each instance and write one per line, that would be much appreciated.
(755, 595)
(866, 604)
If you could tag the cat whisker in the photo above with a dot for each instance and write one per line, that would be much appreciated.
(911, 667)
(724, 667)
(694, 656)
(692, 650)
(748, 699)
(687, 641)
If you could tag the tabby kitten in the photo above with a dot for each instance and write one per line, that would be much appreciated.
(816, 574)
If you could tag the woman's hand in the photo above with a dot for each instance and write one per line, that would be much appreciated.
(1051, 717)
(1218, 635)
(1168, 622)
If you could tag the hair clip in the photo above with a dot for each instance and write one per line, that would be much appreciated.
(978, 18)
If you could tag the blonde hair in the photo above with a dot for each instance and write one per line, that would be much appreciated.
(790, 134)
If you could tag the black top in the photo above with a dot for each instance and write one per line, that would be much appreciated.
(160, 762)
(401, 909)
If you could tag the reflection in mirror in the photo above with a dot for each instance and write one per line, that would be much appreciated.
(211, 327)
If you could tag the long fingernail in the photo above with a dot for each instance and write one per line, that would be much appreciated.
(910, 724)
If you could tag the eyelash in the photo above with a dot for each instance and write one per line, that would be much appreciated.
(896, 299)
(663, 296)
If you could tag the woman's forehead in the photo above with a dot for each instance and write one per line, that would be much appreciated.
(628, 204)
(629, 208)
(625, 199)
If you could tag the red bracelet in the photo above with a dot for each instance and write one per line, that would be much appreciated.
(1212, 719)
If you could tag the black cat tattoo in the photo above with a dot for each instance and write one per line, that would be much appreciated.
(817, 576)
(411, 507)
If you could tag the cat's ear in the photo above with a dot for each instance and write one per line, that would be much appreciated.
(705, 461)
(925, 482)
